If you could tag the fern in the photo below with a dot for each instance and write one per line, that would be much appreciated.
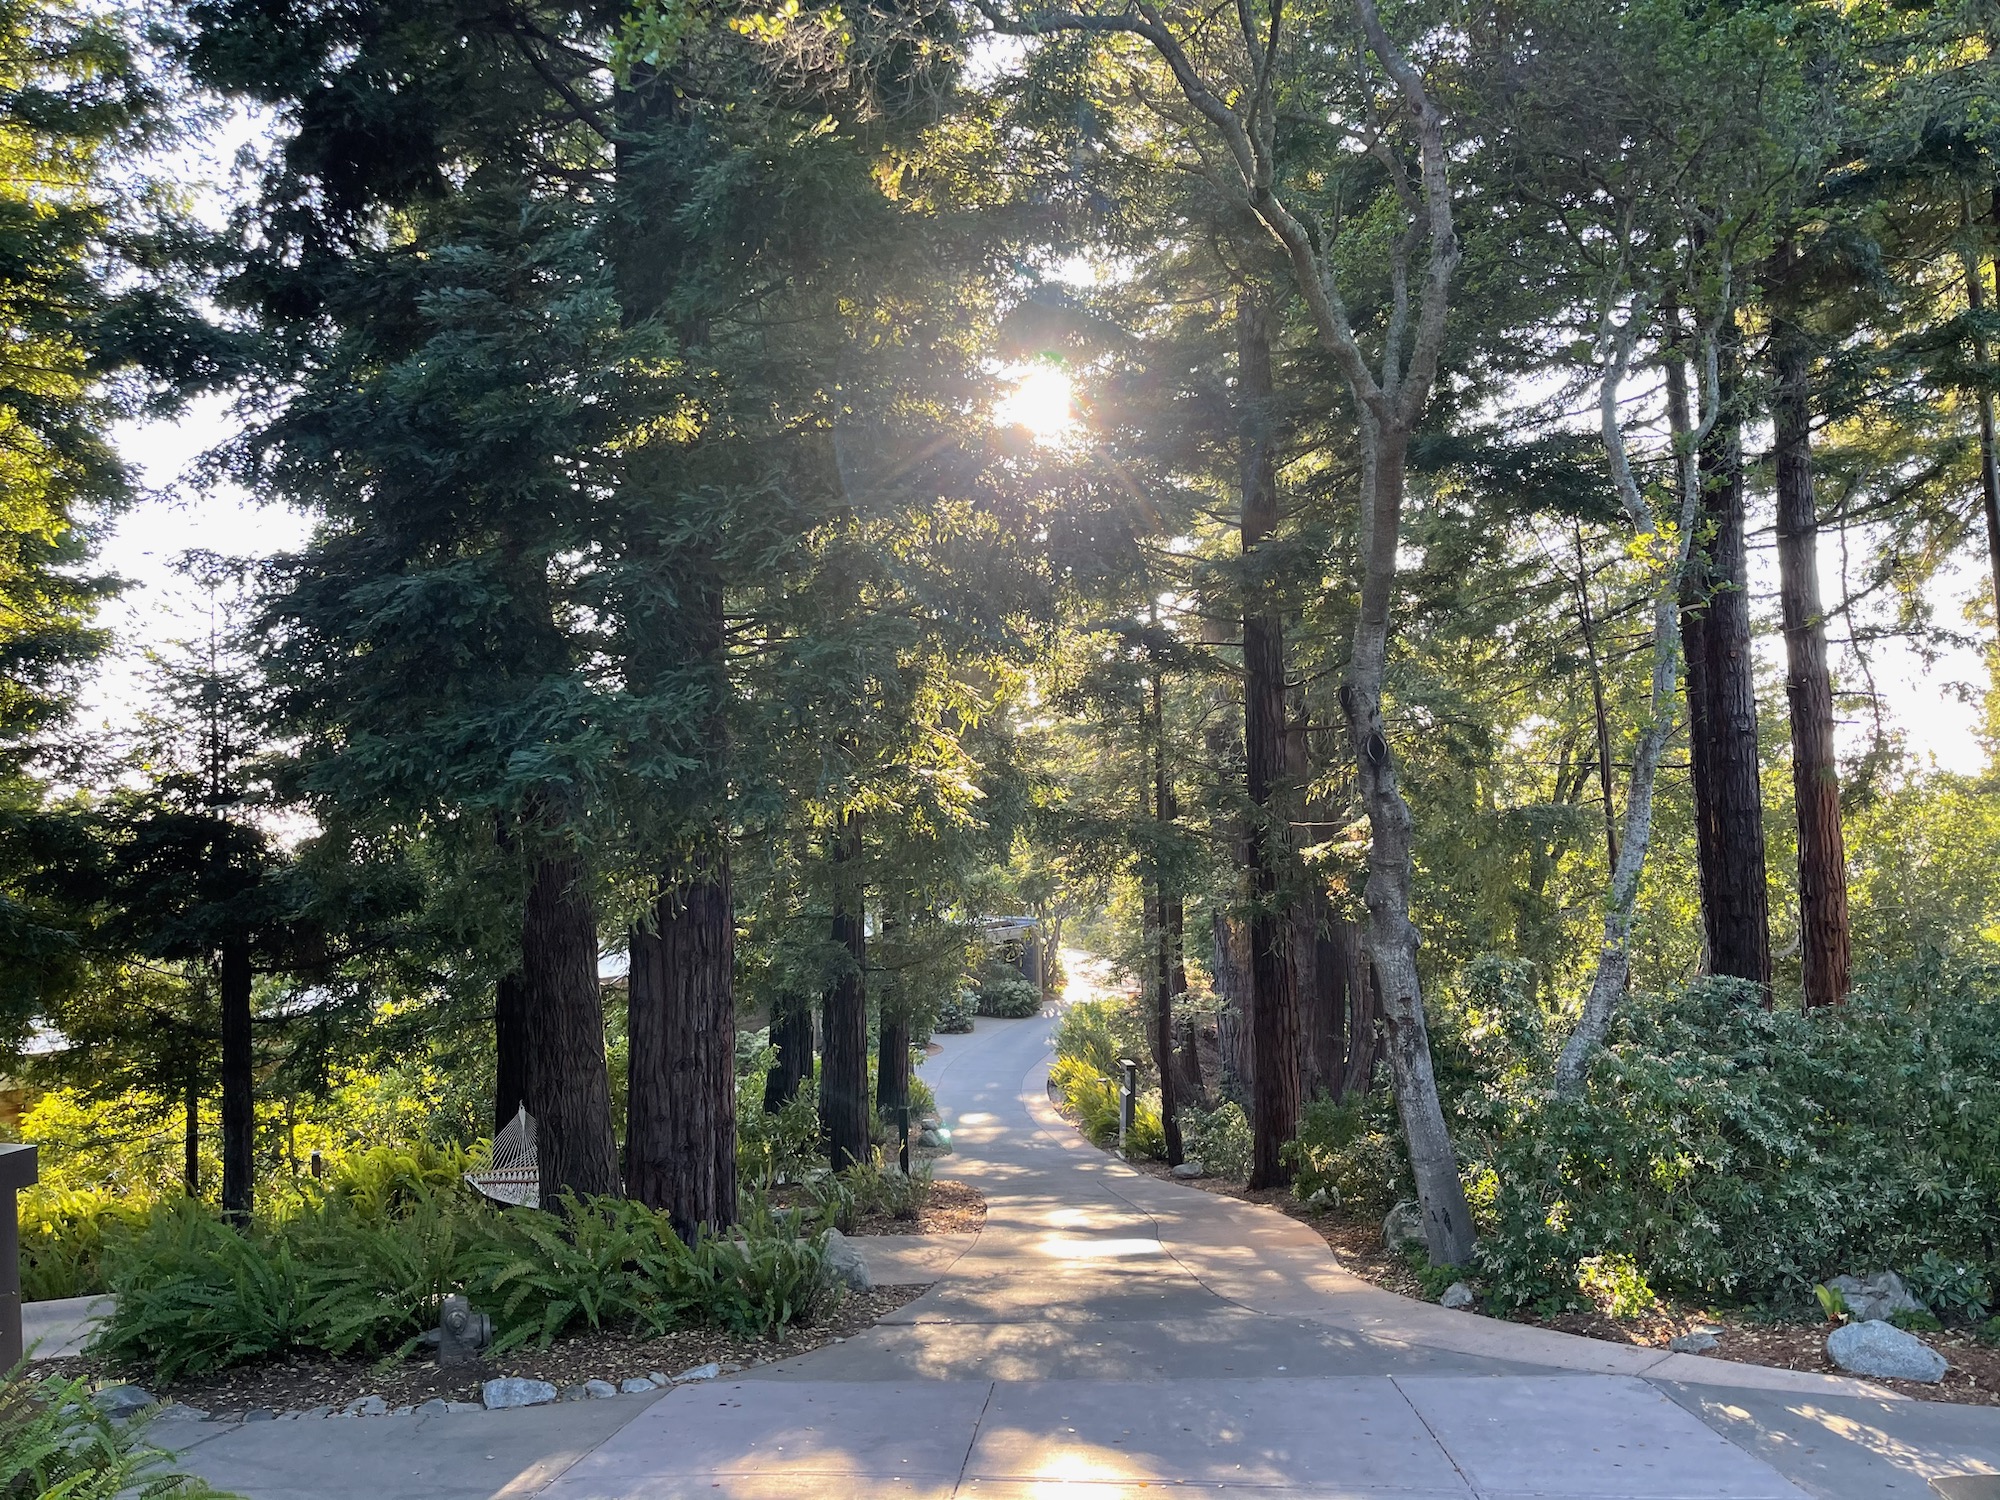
(55, 1445)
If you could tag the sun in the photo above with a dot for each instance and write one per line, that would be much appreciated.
(1040, 402)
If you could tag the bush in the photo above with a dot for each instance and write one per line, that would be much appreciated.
(955, 1012)
(871, 1189)
(1090, 1040)
(1348, 1155)
(781, 1147)
(196, 1294)
(65, 1235)
(1219, 1139)
(1009, 996)
(1733, 1151)
(55, 1443)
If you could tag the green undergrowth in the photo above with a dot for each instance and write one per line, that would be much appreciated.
(1091, 1038)
(348, 1278)
(55, 1445)
(1722, 1151)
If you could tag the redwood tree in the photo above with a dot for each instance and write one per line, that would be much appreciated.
(1823, 931)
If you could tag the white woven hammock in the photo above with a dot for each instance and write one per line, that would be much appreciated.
(513, 1172)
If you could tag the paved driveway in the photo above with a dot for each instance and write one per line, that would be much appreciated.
(1108, 1334)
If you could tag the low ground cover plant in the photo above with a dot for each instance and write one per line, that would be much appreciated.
(55, 1445)
(342, 1278)
(1091, 1038)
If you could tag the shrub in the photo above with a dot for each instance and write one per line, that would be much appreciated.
(387, 1180)
(1219, 1139)
(1951, 1289)
(869, 1189)
(195, 1293)
(780, 1147)
(1617, 1285)
(55, 1443)
(1090, 1040)
(1009, 996)
(65, 1235)
(1734, 1151)
(1343, 1151)
(955, 1012)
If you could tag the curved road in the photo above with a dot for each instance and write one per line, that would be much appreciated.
(1108, 1333)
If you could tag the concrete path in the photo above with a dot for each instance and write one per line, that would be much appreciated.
(1108, 1333)
(51, 1330)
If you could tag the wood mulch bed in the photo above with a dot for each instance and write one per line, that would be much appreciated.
(302, 1384)
(949, 1208)
(1741, 1335)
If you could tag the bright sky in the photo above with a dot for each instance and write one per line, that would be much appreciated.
(160, 606)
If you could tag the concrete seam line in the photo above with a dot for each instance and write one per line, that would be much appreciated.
(973, 1442)
(1417, 1412)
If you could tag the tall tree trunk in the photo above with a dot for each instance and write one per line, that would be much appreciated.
(1343, 961)
(239, 1172)
(1274, 1006)
(512, 1058)
(1601, 724)
(1989, 450)
(1614, 955)
(1722, 720)
(680, 1127)
(1229, 962)
(1823, 942)
(1166, 968)
(569, 1088)
(843, 1066)
(792, 1035)
(892, 1060)
(1392, 937)
(191, 1137)
(1318, 988)
(1188, 1086)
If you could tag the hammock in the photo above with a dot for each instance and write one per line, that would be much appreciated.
(513, 1172)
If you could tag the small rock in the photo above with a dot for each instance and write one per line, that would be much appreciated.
(699, 1372)
(1404, 1226)
(844, 1264)
(1323, 1198)
(929, 1138)
(1884, 1352)
(514, 1390)
(1457, 1296)
(658, 1378)
(636, 1385)
(437, 1406)
(173, 1411)
(1696, 1341)
(317, 1411)
(574, 1393)
(731, 1367)
(123, 1400)
(1187, 1171)
(598, 1390)
(402, 1411)
(458, 1406)
(260, 1414)
(367, 1406)
(1875, 1298)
